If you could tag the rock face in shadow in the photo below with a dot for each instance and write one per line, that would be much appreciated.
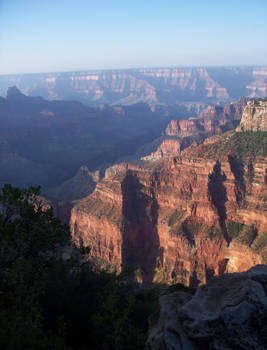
(229, 312)
(140, 241)
(218, 195)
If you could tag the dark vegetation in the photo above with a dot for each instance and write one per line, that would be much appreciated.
(48, 302)
(260, 243)
(241, 232)
(244, 145)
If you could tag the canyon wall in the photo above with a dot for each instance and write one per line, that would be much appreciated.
(180, 134)
(191, 87)
(212, 120)
(254, 117)
(178, 219)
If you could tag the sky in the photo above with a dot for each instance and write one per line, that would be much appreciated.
(68, 35)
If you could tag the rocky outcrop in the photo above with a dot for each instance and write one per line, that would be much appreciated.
(229, 312)
(213, 120)
(168, 148)
(254, 117)
(180, 219)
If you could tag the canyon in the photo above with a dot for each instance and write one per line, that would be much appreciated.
(185, 88)
(45, 142)
(185, 200)
(180, 134)
(183, 218)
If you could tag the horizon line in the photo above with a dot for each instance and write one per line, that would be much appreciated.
(137, 68)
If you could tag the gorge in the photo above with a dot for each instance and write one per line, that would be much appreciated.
(183, 218)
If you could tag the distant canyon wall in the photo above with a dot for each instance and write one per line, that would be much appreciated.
(190, 87)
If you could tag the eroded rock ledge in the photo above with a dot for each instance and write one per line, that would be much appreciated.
(230, 312)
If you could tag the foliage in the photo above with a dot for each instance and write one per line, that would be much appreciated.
(247, 144)
(247, 235)
(260, 242)
(49, 303)
(241, 232)
(234, 228)
(176, 217)
(250, 143)
(213, 232)
(264, 257)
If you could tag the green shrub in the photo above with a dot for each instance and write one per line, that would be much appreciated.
(213, 232)
(247, 235)
(260, 242)
(177, 230)
(49, 303)
(175, 217)
(234, 228)
(264, 257)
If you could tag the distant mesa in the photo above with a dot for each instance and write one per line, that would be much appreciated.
(14, 93)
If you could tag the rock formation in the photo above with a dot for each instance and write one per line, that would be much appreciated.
(180, 134)
(213, 120)
(189, 87)
(254, 117)
(179, 219)
(230, 312)
(168, 148)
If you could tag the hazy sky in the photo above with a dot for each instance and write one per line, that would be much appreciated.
(62, 35)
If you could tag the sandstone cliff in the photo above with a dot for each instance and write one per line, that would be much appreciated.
(254, 117)
(180, 219)
(180, 134)
(213, 120)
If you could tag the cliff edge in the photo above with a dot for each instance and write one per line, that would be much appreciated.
(227, 313)
(254, 117)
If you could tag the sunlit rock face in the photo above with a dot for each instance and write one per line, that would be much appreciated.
(178, 219)
(179, 134)
(254, 117)
(213, 120)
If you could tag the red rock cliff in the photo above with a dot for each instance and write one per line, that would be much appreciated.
(179, 219)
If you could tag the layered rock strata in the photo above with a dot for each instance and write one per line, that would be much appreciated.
(254, 117)
(213, 120)
(191, 86)
(181, 219)
(180, 134)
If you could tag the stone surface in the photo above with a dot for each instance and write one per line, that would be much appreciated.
(254, 117)
(172, 219)
(213, 120)
(190, 87)
(229, 312)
